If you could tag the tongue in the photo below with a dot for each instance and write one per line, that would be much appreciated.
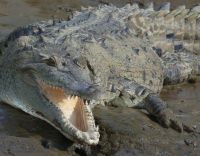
(71, 106)
(73, 109)
(79, 115)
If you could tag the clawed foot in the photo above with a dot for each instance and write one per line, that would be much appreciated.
(168, 119)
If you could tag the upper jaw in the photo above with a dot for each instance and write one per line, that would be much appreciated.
(75, 119)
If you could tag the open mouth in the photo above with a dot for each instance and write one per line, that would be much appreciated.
(75, 110)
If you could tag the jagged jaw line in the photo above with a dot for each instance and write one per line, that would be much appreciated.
(71, 106)
(75, 110)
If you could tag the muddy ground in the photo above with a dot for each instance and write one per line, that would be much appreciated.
(124, 131)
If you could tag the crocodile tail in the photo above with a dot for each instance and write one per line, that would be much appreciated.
(170, 31)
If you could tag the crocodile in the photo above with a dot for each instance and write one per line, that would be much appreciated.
(58, 70)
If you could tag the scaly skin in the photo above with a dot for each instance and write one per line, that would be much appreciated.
(58, 70)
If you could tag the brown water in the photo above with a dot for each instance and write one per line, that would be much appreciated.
(123, 131)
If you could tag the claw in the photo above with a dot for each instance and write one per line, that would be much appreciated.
(168, 119)
(155, 106)
(163, 118)
(177, 125)
(188, 129)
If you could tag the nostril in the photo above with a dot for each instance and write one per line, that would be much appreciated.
(63, 64)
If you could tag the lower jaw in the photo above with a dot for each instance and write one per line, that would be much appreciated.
(73, 134)
(76, 135)
(71, 108)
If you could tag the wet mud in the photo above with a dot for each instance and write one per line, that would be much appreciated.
(127, 131)
(124, 131)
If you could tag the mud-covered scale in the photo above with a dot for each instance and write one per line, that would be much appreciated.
(58, 70)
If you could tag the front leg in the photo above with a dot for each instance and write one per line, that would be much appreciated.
(137, 96)
(165, 116)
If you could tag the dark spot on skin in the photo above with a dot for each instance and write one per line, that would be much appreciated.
(158, 51)
(145, 49)
(150, 82)
(178, 47)
(90, 68)
(54, 21)
(128, 58)
(136, 50)
(114, 31)
(64, 64)
(68, 55)
(170, 36)
(120, 95)
(1, 52)
(197, 37)
(144, 75)
(112, 88)
(6, 44)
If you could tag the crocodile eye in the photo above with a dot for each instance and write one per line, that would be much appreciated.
(51, 61)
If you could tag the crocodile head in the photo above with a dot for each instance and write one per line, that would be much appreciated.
(55, 87)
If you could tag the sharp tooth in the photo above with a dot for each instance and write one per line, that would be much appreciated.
(76, 98)
(84, 101)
